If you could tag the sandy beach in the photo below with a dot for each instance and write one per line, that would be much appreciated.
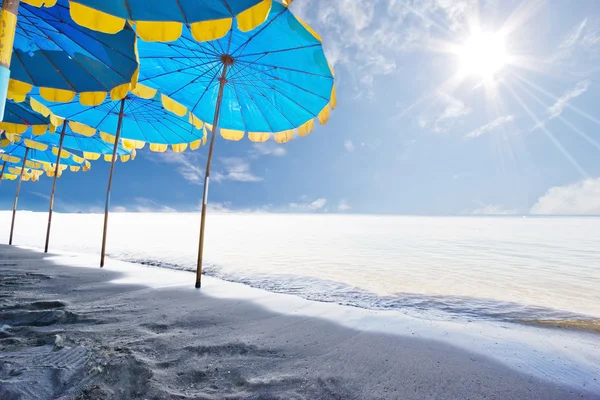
(68, 331)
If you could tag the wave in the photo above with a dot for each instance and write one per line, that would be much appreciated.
(444, 307)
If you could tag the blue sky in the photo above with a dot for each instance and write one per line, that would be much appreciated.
(413, 132)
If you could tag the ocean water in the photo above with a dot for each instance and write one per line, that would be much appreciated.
(540, 271)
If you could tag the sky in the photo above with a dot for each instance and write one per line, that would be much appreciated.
(444, 108)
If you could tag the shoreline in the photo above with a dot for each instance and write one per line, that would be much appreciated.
(347, 352)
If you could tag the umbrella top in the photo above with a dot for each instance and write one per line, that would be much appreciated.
(62, 58)
(21, 122)
(162, 20)
(148, 117)
(277, 77)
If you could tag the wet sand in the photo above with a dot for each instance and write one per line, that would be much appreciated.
(71, 333)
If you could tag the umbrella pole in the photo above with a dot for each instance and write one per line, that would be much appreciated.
(56, 171)
(8, 24)
(2, 173)
(12, 224)
(112, 168)
(227, 60)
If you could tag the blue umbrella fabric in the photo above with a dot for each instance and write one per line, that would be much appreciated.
(14, 153)
(276, 79)
(162, 20)
(149, 117)
(62, 58)
(21, 122)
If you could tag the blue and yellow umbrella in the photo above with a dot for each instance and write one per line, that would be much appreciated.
(163, 20)
(62, 58)
(142, 116)
(33, 159)
(273, 81)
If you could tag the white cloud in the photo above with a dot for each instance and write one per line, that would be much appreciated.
(344, 206)
(445, 114)
(118, 209)
(492, 209)
(557, 108)
(188, 164)
(581, 198)
(574, 36)
(368, 37)
(349, 146)
(313, 206)
(498, 122)
(235, 169)
(268, 149)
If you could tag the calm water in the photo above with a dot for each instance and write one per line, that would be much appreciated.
(530, 270)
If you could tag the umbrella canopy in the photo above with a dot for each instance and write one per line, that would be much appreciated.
(272, 81)
(162, 20)
(14, 153)
(11, 172)
(21, 122)
(62, 58)
(276, 78)
(148, 117)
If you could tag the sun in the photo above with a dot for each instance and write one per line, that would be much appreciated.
(482, 55)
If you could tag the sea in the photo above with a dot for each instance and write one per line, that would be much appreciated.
(542, 271)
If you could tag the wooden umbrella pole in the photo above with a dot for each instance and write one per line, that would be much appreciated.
(56, 172)
(2, 173)
(227, 60)
(112, 168)
(12, 224)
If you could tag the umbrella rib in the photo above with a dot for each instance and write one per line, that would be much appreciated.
(58, 71)
(206, 89)
(240, 103)
(260, 111)
(284, 68)
(195, 80)
(308, 46)
(244, 67)
(168, 73)
(257, 32)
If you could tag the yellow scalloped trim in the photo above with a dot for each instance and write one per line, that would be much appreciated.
(12, 137)
(57, 95)
(306, 128)
(309, 29)
(38, 171)
(284, 136)
(11, 128)
(15, 170)
(107, 137)
(92, 99)
(35, 145)
(254, 16)
(82, 129)
(74, 168)
(77, 159)
(333, 101)
(205, 31)
(178, 148)
(63, 153)
(197, 122)
(125, 158)
(231, 134)
(18, 90)
(10, 159)
(51, 173)
(195, 145)
(324, 114)
(259, 137)
(152, 31)
(9, 177)
(130, 144)
(133, 154)
(120, 92)
(96, 20)
(108, 157)
(39, 129)
(88, 155)
(158, 147)
(287, 3)
(32, 164)
(39, 107)
(39, 3)
(4, 142)
(56, 121)
(143, 91)
(171, 105)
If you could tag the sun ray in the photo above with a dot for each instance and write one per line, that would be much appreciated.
(548, 134)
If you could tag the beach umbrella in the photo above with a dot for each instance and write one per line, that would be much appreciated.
(54, 53)
(163, 20)
(271, 81)
(36, 157)
(91, 146)
(142, 116)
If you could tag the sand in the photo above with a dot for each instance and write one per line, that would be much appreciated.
(86, 333)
